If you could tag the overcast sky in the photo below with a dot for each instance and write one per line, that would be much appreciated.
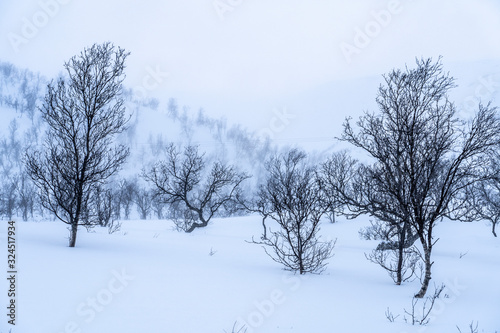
(219, 54)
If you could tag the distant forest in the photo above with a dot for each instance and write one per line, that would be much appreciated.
(21, 94)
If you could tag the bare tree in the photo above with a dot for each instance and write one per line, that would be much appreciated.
(126, 192)
(336, 173)
(10, 148)
(9, 197)
(423, 155)
(84, 112)
(143, 201)
(116, 201)
(26, 196)
(158, 207)
(484, 197)
(351, 184)
(104, 205)
(395, 253)
(10, 151)
(297, 203)
(182, 182)
(488, 203)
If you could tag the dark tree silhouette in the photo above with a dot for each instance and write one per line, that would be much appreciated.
(296, 202)
(26, 196)
(143, 201)
(423, 155)
(181, 181)
(484, 197)
(354, 185)
(83, 111)
(126, 193)
(104, 206)
(337, 172)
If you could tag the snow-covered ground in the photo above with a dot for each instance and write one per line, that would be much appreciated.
(150, 278)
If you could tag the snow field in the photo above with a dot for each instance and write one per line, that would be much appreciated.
(150, 278)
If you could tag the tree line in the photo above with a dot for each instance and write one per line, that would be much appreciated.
(422, 164)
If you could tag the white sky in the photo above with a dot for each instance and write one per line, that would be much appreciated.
(261, 55)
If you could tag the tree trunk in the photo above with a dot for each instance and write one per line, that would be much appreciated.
(427, 277)
(332, 217)
(264, 236)
(72, 236)
(193, 226)
(300, 252)
(401, 248)
(25, 213)
(493, 228)
(301, 264)
(399, 276)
